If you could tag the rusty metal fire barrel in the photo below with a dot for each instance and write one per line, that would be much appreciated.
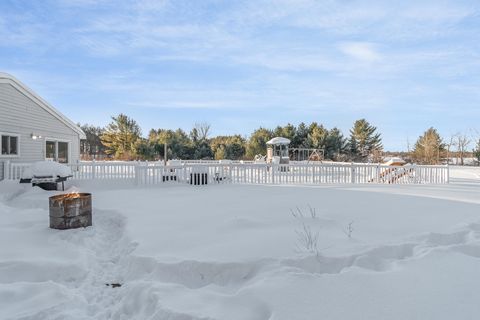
(70, 211)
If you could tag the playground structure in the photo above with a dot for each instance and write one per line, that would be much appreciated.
(277, 150)
(307, 154)
(260, 158)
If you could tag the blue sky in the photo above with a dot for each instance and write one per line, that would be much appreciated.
(402, 65)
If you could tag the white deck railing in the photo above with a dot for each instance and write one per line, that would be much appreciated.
(295, 174)
(14, 170)
(148, 173)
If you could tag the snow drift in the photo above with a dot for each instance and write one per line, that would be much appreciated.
(233, 252)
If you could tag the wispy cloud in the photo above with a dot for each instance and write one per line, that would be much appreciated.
(327, 59)
(362, 51)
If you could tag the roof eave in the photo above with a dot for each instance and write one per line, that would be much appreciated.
(44, 104)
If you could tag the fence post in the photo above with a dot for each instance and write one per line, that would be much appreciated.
(135, 169)
(6, 166)
(145, 173)
(94, 168)
(272, 167)
(416, 176)
(352, 172)
(76, 169)
(448, 173)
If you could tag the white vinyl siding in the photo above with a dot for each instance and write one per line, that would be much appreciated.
(23, 116)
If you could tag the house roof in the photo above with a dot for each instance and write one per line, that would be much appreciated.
(279, 141)
(7, 78)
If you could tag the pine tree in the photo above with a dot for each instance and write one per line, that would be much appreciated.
(179, 144)
(476, 152)
(228, 147)
(336, 144)
(317, 136)
(120, 137)
(301, 136)
(144, 150)
(428, 147)
(289, 131)
(364, 140)
(220, 153)
(257, 144)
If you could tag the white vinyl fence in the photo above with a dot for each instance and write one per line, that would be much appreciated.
(145, 173)
(13, 171)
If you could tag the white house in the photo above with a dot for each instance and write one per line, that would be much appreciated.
(31, 129)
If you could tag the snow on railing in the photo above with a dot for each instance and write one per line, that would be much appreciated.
(14, 170)
(214, 161)
(250, 173)
(291, 174)
(104, 170)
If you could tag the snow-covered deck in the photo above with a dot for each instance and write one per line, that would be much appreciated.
(236, 252)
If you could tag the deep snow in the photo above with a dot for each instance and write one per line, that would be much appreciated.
(232, 252)
(46, 168)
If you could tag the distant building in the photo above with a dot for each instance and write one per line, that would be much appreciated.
(31, 129)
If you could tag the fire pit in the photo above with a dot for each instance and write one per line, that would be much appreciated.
(69, 211)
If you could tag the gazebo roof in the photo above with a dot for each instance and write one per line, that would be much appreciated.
(279, 141)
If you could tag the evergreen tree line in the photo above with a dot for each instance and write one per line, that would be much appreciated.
(122, 139)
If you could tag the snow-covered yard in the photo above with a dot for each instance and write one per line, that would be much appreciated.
(236, 252)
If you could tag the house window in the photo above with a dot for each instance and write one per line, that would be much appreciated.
(62, 156)
(50, 150)
(56, 151)
(9, 145)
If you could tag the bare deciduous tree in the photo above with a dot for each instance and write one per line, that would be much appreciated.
(203, 130)
(461, 142)
(449, 145)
